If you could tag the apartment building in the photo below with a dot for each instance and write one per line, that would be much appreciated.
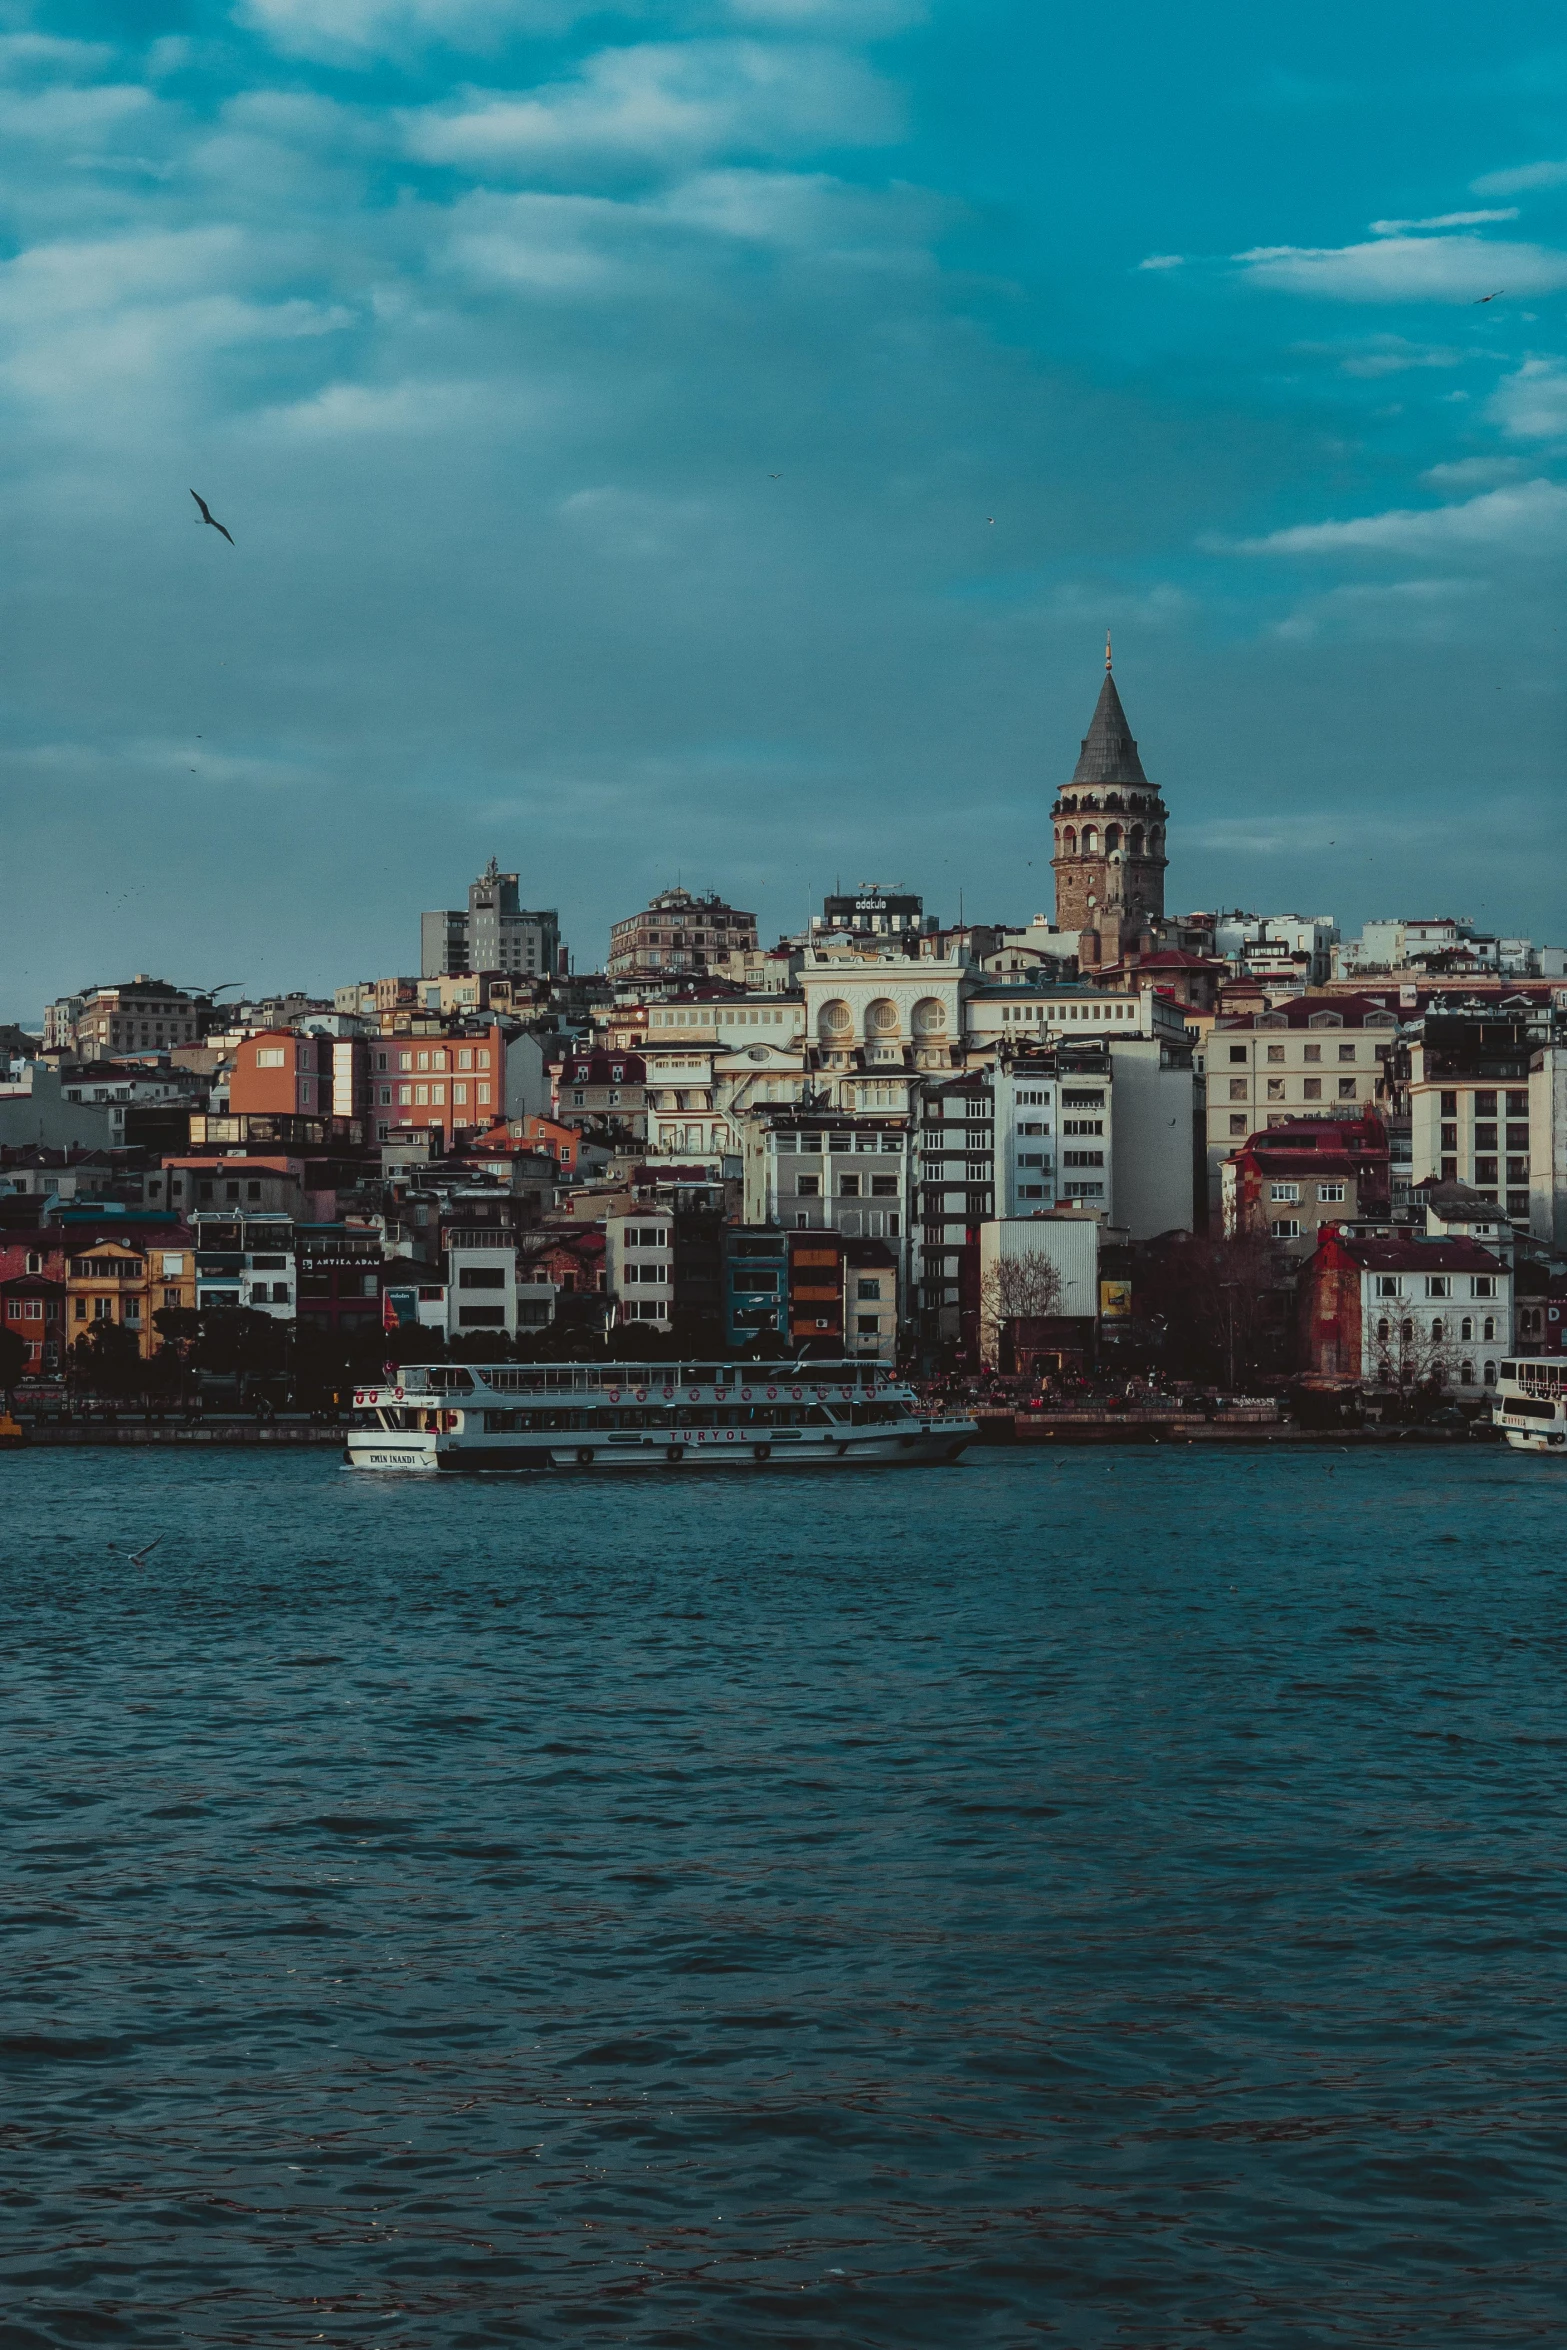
(1317, 1057)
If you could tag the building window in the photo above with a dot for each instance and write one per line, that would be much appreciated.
(1466, 1329)
(1387, 1285)
(1346, 1052)
(1466, 1374)
(1286, 1228)
(1488, 1328)
(1313, 1089)
(1438, 1285)
(1346, 1089)
(1284, 1191)
(1313, 1052)
(1275, 1052)
(1238, 1126)
(1237, 1089)
(1275, 1089)
(809, 1186)
(1237, 1053)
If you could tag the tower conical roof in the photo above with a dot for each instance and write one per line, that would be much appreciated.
(1109, 752)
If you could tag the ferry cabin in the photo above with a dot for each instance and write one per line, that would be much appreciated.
(1531, 1404)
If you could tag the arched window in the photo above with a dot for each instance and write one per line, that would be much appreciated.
(1466, 1373)
(1090, 840)
(1490, 1374)
(1406, 1332)
(1438, 1331)
(1069, 841)
(1155, 841)
(1383, 1332)
(1112, 837)
(1466, 1328)
(1136, 843)
(1488, 1328)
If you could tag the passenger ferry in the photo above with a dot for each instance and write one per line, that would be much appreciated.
(1531, 1404)
(551, 1417)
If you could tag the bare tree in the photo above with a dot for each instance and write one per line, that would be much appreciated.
(1027, 1288)
(1409, 1352)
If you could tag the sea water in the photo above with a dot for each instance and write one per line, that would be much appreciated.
(1099, 1898)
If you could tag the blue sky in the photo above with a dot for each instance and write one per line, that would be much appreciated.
(710, 441)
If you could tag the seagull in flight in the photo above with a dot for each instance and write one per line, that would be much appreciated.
(139, 1558)
(1483, 298)
(207, 517)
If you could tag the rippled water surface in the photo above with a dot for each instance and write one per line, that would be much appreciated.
(1074, 1900)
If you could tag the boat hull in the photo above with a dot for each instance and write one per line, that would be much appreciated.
(1554, 1446)
(431, 1455)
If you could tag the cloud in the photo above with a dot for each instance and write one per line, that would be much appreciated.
(1406, 269)
(664, 106)
(1395, 228)
(1163, 261)
(357, 33)
(1427, 610)
(1520, 181)
(1392, 355)
(1473, 473)
(1531, 405)
(356, 411)
(1530, 519)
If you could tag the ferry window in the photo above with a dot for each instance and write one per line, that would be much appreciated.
(1509, 1370)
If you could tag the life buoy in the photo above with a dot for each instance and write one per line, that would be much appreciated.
(763, 1452)
(772, 1395)
(675, 1452)
(640, 1395)
(693, 1392)
(397, 1391)
(668, 1394)
(797, 1392)
(745, 1395)
(584, 1454)
(846, 1393)
(614, 1395)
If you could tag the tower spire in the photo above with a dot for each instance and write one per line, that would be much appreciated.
(1108, 663)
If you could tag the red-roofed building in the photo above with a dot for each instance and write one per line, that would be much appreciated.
(598, 1088)
(1192, 980)
(1287, 1182)
(1393, 1312)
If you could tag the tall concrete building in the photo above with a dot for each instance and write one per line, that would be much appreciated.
(1109, 839)
(493, 932)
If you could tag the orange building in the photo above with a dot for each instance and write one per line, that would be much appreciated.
(280, 1073)
(455, 1083)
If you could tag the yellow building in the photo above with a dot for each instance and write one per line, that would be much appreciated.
(123, 1280)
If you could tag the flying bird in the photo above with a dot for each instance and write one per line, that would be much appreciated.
(775, 477)
(138, 1558)
(1482, 298)
(209, 518)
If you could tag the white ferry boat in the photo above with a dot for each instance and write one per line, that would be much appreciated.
(1531, 1403)
(553, 1417)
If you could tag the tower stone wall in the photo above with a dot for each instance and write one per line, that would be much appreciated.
(1110, 823)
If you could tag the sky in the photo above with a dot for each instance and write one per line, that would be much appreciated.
(708, 440)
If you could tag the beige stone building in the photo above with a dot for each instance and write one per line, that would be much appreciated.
(1316, 1057)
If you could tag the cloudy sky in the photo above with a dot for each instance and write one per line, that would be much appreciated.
(708, 439)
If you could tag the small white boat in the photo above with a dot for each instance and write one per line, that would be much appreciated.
(553, 1417)
(1530, 1406)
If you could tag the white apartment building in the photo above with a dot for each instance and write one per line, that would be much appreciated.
(639, 1265)
(481, 1287)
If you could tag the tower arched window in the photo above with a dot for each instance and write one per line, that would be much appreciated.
(1112, 837)
(1090, 840)
(1069, 841)
(1155, 842)
(1137, 840)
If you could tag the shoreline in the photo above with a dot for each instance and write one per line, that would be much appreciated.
(995, 1429)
